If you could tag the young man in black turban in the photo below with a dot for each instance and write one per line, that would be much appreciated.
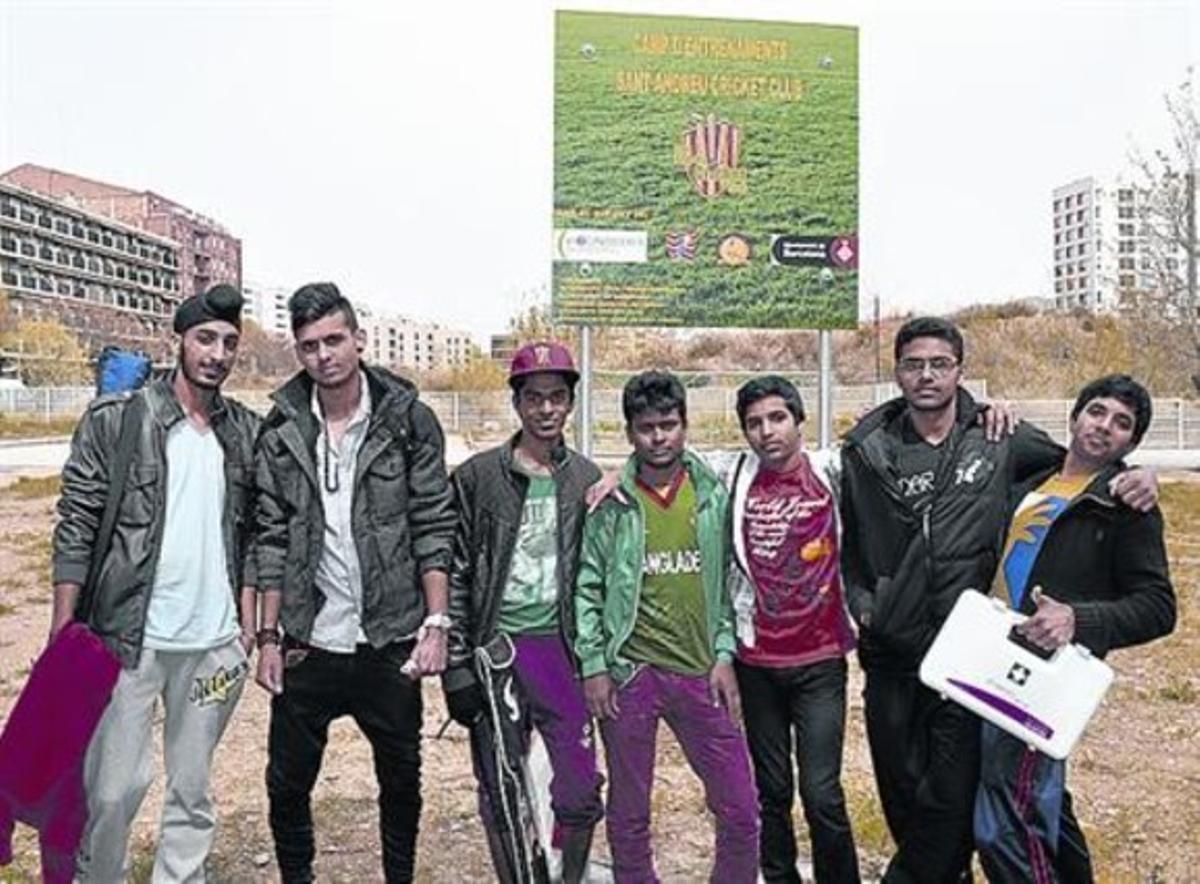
(173, 594)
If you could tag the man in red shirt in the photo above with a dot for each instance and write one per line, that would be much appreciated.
(793, 629)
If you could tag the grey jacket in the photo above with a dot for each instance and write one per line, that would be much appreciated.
(402, 511)
(126, 576)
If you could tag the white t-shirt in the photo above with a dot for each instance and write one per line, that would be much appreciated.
(192, 606)
(337, 626)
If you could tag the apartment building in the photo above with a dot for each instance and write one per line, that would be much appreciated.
(400, 342)
(1107, 244)
(267, 306)
(208, 253)
(108, 281)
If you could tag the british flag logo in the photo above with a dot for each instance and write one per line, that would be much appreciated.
(710, 152)
(681, 245)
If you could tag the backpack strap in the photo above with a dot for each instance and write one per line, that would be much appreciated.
(131, 419)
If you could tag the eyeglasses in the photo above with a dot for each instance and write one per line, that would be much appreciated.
(938, 366)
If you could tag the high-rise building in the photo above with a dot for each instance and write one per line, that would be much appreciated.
(503, 348)
(267, 306)
(400, 342)
(1107, 245)
(108, 281)
(208, 253)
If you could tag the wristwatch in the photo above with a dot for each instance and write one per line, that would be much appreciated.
(268, 636)
(440, 620)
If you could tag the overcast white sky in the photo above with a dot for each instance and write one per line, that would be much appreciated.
(404, 149)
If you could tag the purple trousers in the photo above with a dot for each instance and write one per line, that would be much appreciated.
(551, 700)
(716, 750)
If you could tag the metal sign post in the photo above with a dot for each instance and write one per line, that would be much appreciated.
(825, 386)
(583, 408)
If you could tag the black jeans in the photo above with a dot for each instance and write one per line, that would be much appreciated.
(812, 700)
(318, 687)
(925, 751)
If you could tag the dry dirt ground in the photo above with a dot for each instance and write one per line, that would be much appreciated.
(1136, 776)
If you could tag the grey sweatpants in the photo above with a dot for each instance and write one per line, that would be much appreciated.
(198, 690)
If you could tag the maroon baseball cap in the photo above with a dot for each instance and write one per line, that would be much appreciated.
(543, 356)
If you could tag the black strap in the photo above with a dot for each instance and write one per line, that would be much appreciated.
(131, 420)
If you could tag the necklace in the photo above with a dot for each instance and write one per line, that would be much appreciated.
(331, 476)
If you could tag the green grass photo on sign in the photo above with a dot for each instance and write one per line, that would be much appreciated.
(705, 172)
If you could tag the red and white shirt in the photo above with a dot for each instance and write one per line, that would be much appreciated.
(789, 540)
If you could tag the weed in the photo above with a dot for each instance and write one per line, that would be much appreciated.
(34, 544)
(141, 862)
(870, 828)
(1179, 690)
(26, 427)
(32, 487)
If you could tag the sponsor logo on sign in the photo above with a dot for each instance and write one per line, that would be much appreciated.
(681, 245)
(794, 250)
(734, 250)
(710, 153)
(843, 251)
(601, 246)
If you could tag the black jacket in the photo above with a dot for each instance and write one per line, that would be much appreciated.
(126, 577)
(489, 493)
(1108, 562)
(402, 512)
(904, 569)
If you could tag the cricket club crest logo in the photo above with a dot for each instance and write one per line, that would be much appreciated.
(710, 152)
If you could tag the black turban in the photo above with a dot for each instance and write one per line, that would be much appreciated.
(221, 301)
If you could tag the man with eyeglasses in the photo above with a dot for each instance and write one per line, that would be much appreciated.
(354, 529)
(924, 507)
(521, 508)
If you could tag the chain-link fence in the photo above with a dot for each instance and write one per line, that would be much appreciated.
(487, 416)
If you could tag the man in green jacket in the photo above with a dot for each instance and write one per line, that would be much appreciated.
(655, 635)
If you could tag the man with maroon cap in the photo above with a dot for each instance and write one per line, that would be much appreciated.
(521, 509)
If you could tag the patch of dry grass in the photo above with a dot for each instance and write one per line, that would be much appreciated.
(32, 487)
(27, 427)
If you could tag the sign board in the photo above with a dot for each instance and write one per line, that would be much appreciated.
(705, 172)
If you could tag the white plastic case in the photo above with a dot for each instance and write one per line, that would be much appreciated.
(1046, 701)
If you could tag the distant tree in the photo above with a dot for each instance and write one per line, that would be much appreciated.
(1168, 311)
(47, 353)
(262, 355)
(477, 374)
(535, 323)
(8, 316)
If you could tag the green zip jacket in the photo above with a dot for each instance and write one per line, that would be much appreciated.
(611, 562)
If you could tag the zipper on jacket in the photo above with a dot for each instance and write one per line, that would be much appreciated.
(927, 533)
(159, 441)
(637, 584)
